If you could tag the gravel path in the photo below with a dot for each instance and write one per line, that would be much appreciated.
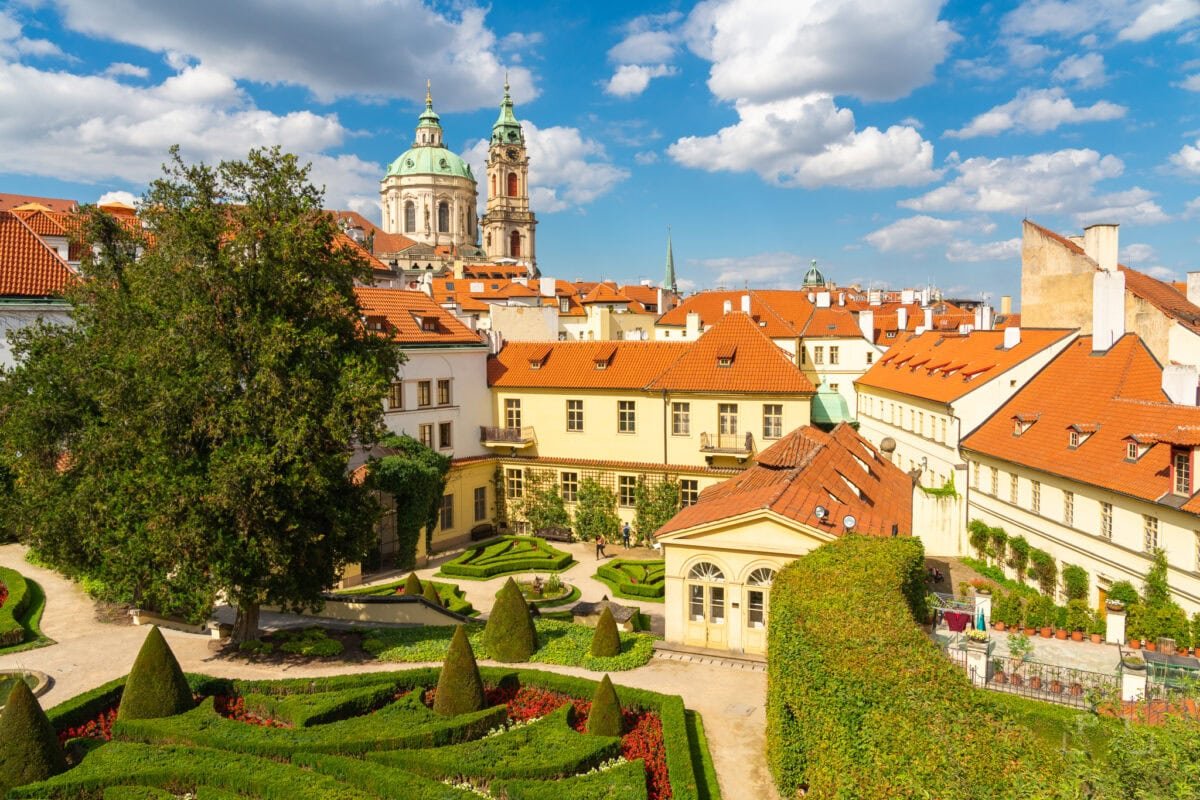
(88, 653)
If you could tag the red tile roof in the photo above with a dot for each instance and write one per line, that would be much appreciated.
(1118, 392)
(839, 471)
(28, 268)
(604, 293)
(383, 242)
(10, 201)
(833, 322)
(757, 364)
(945, 366)
(405, 311)
(781, 314)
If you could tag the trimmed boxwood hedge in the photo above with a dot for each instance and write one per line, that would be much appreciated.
(617, 574)
(12, 632)
(453, 598)
(508, 555)
(625, 781)
(861, 703)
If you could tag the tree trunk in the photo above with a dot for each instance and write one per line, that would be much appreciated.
(245, 625)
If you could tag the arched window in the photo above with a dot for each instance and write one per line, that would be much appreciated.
(410, 216)
(512, 184)
(705, 571)
(514, 244)
(443, 217)
(763, 576)
(757, 601)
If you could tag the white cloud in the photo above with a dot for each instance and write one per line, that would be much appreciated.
(760, 270)
(1159, 17)
(14, 44)
(630, 80)
(645, 157)
(972, 252)
(1136, 253)
(1192, 209)
(1188, 158)
(1085, 71)
(1027, 55)
(1036, 111)
(122, 69)
(361, 48)
(644, 46)
(913, 234)
(117, 197)
(1060, 182)
(566, 170)
(1191, 83)
(766, 50)
(808, 141)
(1162, 273)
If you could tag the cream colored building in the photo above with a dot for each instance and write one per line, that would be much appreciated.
(723, 552)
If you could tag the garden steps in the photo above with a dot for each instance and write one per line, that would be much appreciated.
(699, 655)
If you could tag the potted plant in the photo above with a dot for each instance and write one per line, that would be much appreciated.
(1097, 628)
(1133, 662)
(977, 636)
(1076, 687)
(998, 671)
(1035, 676)
(1060, 622)
(981, 586)
(1079, 618)
(1056, 684)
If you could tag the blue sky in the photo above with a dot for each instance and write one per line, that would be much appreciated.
(895, 141)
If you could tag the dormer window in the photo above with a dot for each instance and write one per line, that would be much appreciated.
(601, 363)
(1136, 445)
(1022, 423)
(376, 323)
(535, 363)
(1131, 451)
(1079, 433)
(1181, 471)
(1073, 439)
(429, 324)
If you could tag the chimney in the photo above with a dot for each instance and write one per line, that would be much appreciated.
(1179, 383)
(902, 318)
(866, 324)
(875, 297)
(928, 319)
(1006, 304)
(547, 286)
(1077, 240)
(841, 298)
(1100, 245)
(745, 304)
(823, 300)
(983, 317)
(1193, 287)
(926, 295)
(727, 306)
(908, 297)
(693, 325)
(1108, 308)
(1012, 337)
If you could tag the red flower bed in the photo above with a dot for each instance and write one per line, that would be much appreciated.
(3, 594)
(98, 728)
(234, 707)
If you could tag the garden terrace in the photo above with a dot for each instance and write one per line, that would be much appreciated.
(634, 580)
(452, 597)
(21, 604)
(373, 736)
(508, 555)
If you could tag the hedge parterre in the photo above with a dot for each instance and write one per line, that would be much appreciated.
(508, 555)
(307, 738)
(632, 579)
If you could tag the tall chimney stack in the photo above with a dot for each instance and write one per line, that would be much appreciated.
(1100, 245)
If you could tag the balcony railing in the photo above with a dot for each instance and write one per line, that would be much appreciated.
(492, 436)
(736, 444)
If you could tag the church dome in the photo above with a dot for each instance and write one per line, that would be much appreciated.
(430, 161)
(814, 278)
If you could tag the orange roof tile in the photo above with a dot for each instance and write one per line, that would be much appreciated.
(833, 322)
(604, 293)
(957, 363)
(839, 471)
(383, 242)
(28, 268)
(406, 313)
(10, 201)
(1163, 296)
(780, 313)
(627, 365)
(1119, 393)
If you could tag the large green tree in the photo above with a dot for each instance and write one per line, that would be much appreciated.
(596, 511)
(189, 434)
(543, 505)
(415, 476)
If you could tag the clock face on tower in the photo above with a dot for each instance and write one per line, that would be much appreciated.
(512, 152)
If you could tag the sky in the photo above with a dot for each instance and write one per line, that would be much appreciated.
(896, 142)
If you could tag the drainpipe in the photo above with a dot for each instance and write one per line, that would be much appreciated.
(665, 421)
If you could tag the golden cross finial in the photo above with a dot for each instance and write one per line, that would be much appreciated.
(428, 92)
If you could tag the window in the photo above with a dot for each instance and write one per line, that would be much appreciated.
(870, 357)
(564, 305)
(512, 184)
(424, 393)
(819, 355)
(975, 475)
(1035, 496)
(626, 491)
(942, 428)
(443, 392)
(480, 503)
(912, 420)
(833, 354)
(772, 421)
(514, 483)
(709, 574)
(1069, 509)
(396, 396)
(514, 244)
(1013, 483)
(1182, 462)
(445, 440)
(756, 596)
(447, 515)
(1018, 427)
(921, 423)
(995, 482)
(443, 217)
(689, 492)
(575, 415)
(681, 419)
(626, 416)
(410, 216)
(426, 435)
(512, 413)
(569, 481)
(1149, 533)
(803, 355)
(1106, 520)
(1131, 451)
(1073, 440)
(727, 418)
(833, 387)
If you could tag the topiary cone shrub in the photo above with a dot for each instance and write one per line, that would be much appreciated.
(155, 686)
(460, 687)
(509, 635)
(412, 586)
(606, 642)
(605, 717)
(430, 593)
(29, 749)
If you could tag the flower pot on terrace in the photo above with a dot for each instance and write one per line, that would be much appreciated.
(1114, 605)
(1056, 686)
(1152, 646)
(1134, 644)
(998, 626)
(1076, 636)
(1035, 682)
(1060, 633)
(1097, 638)
(1015, 679)
(1047, 632)
(1000, 677)
(1030, 631)
(1076, 689)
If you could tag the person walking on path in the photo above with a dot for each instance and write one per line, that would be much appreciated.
(625, 533)
(600, 548)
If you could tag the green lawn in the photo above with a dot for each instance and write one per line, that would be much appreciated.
(634, 580)
(508, 555)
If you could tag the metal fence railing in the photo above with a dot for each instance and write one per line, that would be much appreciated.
(1051, 683)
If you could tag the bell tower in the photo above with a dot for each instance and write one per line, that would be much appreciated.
(508, 224)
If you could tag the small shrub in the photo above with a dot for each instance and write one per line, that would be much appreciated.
(1018, 555)
(1045, 570)
(1123, 592)
(999, 541)
(412, 586)
(313, 642)
(460, 687)
(979, 537)
(1079, 616)
(606, 642)
(510, 635)
(605, 717)
(1075, 582)
(29, 749)
(256, 647)
(156, 686)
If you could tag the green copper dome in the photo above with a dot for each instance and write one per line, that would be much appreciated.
(814, 277)
(507, 129)
(430, 161)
